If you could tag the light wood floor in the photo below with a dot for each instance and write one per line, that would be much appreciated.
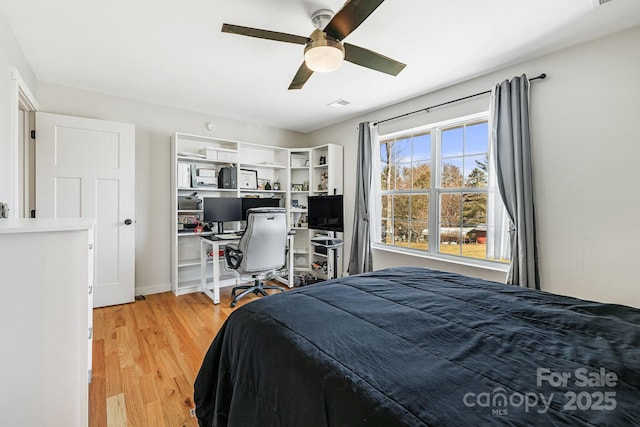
(146, 356)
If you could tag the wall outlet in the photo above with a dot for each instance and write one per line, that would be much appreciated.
(4, 210)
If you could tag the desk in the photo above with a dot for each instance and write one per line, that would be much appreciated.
(213, 292)
(331, 244)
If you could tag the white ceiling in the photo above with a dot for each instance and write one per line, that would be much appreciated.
(173, 53)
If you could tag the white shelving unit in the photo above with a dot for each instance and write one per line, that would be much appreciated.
(268, 165)
(319, 170)
(327, 162)
(186, 153)
(290, 175)
(299, 178)
(327, 178)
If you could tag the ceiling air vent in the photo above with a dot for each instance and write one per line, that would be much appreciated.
(597, 3)
(339, 103)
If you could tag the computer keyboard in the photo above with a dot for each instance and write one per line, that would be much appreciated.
(231, 236)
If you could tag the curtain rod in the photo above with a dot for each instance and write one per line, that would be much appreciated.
(540, 77)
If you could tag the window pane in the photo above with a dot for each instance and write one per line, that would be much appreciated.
(421, 175)
(388, 154)
(475, 225)
(386, 181)
(401, 233)
(453, 142)
(387, 166)
(402, 150)
(403, 176)
(418, 235)
(387, 232)
(475, 171)
(474, 209)
(450, 210)
(384, 151)
(450, 223)
(387, 207)
(423, 239)
(477, 139)
(422, 147)
(401, 207)
(452, 173)
(419, 207)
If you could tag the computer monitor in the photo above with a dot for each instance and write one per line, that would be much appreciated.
(221, 210)
(257, 202)
(326, 213)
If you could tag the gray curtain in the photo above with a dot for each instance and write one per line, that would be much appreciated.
(512, 148)
(360, 259)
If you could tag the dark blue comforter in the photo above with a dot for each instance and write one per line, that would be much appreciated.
(418, 347)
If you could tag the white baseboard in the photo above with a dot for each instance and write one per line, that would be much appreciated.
(188, 290)
(153, 289)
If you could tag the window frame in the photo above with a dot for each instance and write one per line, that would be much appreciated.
(434, 192)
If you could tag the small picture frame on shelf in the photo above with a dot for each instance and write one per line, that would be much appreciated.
(294, 203)
(296, 187)
(248, 179)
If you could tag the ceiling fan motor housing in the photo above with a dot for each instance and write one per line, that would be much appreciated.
(319, 49)
(321, 18)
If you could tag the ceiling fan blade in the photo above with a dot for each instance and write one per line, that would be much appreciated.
(264, 34)
(352, 14)
(301, 77)
(370, 59)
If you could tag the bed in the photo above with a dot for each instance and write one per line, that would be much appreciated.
(417, 347)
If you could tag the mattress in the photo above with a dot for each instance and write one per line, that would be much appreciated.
(418, 347)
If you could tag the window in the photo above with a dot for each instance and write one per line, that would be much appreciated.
(434, 189)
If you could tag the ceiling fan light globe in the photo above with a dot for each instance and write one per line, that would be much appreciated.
(324, 59)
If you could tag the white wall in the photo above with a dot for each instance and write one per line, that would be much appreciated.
(586, 150)
(154, 126)
(10, 56)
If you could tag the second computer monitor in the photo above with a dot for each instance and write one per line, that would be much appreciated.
(256, 202)
(221, 210)
(326, 213)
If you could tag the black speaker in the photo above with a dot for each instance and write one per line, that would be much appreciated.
(227, 177)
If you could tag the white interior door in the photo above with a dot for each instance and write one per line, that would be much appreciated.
(86, 168)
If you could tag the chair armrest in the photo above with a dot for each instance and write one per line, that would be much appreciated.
(233, 256)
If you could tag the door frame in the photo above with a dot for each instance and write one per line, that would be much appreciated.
(21, 99)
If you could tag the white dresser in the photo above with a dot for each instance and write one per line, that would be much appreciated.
(46, 301)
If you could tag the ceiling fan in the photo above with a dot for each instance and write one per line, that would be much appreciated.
(324, 49)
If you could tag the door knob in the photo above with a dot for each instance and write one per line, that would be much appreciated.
(127, 221)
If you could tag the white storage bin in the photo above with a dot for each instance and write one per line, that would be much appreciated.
(210, 153)
(228, 156)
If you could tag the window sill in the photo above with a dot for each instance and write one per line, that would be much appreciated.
(467, 262)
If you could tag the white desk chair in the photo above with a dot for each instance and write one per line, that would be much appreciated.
(261, 250)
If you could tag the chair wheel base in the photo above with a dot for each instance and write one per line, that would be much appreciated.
(258, 288)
